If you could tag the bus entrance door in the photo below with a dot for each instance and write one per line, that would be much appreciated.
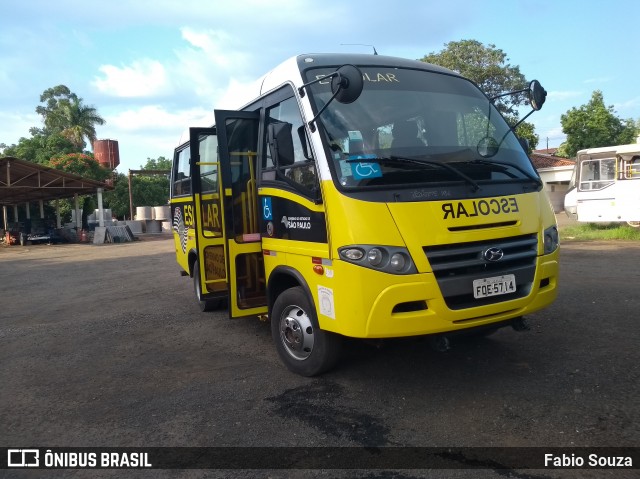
(237, 135)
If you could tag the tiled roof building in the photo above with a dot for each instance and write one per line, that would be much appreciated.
(555, 173)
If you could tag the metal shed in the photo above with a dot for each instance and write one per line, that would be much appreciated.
(22, 182)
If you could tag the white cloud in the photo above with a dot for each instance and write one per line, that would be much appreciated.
(157, 118)
(143, 78)
(238, 94)
(211, 61)
(555, 133)
(208, 63)
(629, 107)
(208, 70)
(214, 44)
(563, 95)
(597, 80)
(150, 131)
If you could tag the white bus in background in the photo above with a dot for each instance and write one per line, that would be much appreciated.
(605, 186)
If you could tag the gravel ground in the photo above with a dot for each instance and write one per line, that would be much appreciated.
(103, 346)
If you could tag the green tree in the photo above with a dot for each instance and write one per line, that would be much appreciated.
(81, 164)
(54, 100)
(488, 67)
(40, 148)
(526, 131)
(118, 199)
(160, 163)
(80, 122)
(146, 190)
(66, 114)
(594, 125)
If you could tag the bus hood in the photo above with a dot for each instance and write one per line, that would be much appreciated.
(432, 223)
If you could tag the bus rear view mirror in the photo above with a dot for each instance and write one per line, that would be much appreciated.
(537, 95)
(347, 84)
(280, 143)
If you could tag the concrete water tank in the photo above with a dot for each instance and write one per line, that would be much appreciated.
(107, 153)
(161, 212)
(144, 212)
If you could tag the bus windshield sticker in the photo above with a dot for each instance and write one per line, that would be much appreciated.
(364, 170)
(345, 168)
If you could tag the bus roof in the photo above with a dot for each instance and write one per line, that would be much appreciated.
(290, 69)
(615, 149)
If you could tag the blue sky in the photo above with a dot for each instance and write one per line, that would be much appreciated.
(154, 68)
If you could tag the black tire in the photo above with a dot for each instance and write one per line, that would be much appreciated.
(204, 304)
(303, 347)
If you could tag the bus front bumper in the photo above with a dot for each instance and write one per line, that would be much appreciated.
(413, 305)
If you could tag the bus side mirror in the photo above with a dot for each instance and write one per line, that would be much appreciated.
(347, 84)
(280, 143)
(537, 95)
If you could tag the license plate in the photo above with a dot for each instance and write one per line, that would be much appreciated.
(485, 287)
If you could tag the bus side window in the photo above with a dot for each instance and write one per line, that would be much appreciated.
(181, 173)
(597, 174)
(299, 170)
(208, 168)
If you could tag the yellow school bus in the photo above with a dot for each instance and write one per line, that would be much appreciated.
(364, 196)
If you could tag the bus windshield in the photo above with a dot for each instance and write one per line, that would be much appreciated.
(415, 127)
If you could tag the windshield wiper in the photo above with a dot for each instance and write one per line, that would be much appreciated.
(537, 181)
(391, 160)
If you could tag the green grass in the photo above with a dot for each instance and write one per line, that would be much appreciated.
(599, 231)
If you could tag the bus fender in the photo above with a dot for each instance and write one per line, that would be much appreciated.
(283, 278)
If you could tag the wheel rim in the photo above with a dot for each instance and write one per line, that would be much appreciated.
(296, 333)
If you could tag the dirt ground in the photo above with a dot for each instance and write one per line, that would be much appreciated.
(104, 346)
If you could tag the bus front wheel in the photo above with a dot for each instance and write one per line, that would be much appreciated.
(302, 347)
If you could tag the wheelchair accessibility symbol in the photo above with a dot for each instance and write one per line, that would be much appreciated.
(267, 212)
(366, 170)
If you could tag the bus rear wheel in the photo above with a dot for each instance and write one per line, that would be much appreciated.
(303, 348)
(204, 304)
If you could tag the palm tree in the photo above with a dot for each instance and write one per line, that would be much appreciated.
(79, 121)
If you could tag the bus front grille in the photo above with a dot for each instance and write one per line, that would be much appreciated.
(457, 266)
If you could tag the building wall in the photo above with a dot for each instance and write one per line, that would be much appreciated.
(556, 184)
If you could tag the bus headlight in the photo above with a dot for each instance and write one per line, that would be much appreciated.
(398, 262)
(353, 254)
(389, 259)
(374, 256)
(551, 239)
